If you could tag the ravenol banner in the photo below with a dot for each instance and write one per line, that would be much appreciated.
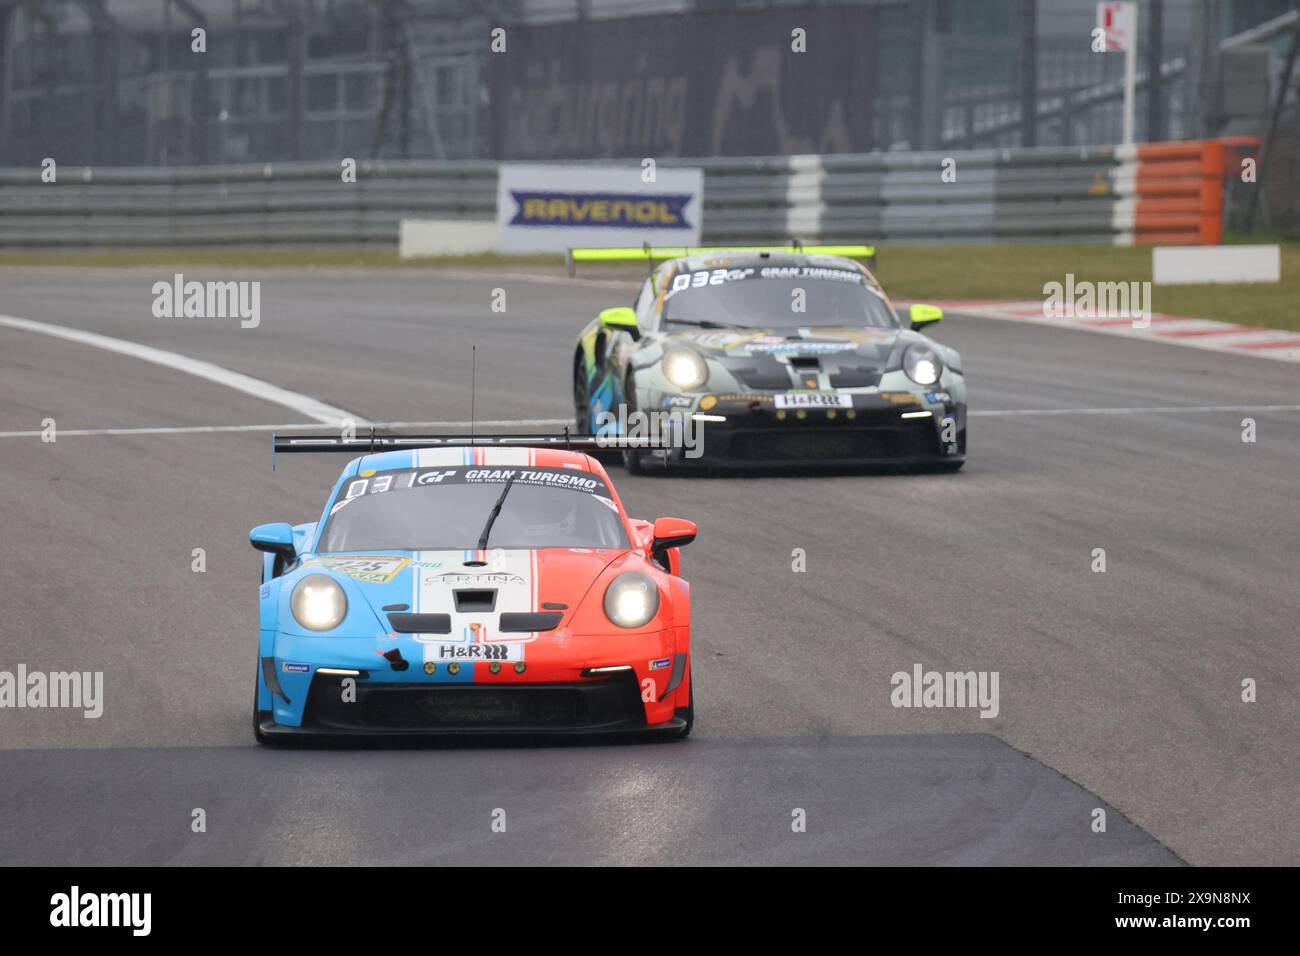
(544, 208)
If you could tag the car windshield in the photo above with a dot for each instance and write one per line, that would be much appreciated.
(776, 297)
(447, 509)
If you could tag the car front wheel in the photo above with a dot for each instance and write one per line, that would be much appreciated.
(633, 458)
(687, 713)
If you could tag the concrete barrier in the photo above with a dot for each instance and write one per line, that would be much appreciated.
(1191, 265)
(445, 237)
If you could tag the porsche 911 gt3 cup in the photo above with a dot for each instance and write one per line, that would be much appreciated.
(471, 586)
(791, 355)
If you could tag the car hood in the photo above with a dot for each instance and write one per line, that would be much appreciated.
(427, 582)
(762, 358)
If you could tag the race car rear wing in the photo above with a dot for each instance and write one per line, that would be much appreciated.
(652, 254)
(377, 442)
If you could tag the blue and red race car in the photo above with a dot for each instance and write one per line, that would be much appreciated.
(460, 586)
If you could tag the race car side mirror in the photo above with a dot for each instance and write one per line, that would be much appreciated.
(275, 538)
(925, 315)
(673, 533)
(621, 318)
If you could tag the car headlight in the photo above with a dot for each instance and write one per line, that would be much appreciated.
(922, 364)
(684, 368)
(632, 599)
(318, 603)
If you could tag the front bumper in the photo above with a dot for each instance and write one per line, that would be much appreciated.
(884, 428)
(341, 686)
(609, 705)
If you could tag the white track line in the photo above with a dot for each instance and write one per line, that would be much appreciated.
(206, 429)
(553, 422)
(540, 278)
(1148, 410)
(303, 404)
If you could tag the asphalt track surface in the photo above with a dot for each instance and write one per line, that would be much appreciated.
(1119, 690)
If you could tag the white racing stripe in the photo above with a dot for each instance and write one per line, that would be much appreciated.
(303, 404)
(437, 574)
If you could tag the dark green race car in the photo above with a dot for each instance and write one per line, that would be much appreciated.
(769, 356)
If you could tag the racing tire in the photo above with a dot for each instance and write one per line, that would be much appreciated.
(633, 458)
(581, 399)
(687, 713)
(260, 737)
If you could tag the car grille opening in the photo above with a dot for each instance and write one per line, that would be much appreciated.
(420, 623)
(612, 703)
(474, 707)
(528, 621)
(470, 600)
(830, 444)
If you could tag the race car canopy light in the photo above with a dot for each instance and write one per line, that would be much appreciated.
(649, 253)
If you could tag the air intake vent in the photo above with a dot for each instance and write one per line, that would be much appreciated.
(468, 601)
(420, 623)
(527, 622)
(770, 375)
(854, 376)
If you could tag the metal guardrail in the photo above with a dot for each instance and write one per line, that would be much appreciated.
(901, 197)
(1066, 194)
(300, 203)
